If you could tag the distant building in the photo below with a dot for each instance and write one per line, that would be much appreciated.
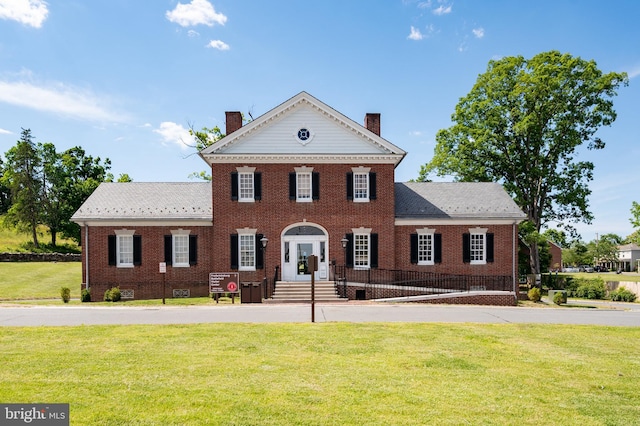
(628, 257)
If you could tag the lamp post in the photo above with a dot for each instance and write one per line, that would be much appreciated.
(344, 241)
(264, 241)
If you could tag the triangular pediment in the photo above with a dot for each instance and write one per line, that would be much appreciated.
(303, 128)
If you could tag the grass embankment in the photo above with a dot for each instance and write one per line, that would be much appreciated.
(12, 241)
(39, 280)
(331, 373)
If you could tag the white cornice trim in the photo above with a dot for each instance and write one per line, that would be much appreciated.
(459, 221)
(306, 158)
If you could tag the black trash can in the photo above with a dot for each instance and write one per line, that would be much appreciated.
(251, 292)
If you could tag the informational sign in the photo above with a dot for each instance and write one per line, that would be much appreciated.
(163, 268)
(224, 282)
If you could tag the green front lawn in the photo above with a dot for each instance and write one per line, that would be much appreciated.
(329, 373)
(39, 280)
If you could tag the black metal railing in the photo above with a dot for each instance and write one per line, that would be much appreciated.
(401, 282)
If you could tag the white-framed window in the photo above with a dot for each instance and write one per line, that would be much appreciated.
(361, 187)
(361, 184)
(303, 186)
(180, 246)
(361, 248)
(477, 246)
(246, 184)
(247, 249)
(124, 248)
(426, 246)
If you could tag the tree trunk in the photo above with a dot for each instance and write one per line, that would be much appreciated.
(54, 234)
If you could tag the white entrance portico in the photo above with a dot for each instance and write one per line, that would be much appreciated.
(299, 241)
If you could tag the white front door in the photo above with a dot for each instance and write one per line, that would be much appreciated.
(296, 257)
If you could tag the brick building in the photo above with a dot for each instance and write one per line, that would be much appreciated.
(302, 179)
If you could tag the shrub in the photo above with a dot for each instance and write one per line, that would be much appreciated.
(534, 294)
(65, 293)
(115, 294)
(622, 295)
(559, 298)
(86, 295)
(586, 288)
(112, 295)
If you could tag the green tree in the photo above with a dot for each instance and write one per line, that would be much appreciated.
(577, 254)
(204, 138)
(22, 175)
(5, 193)
(521, 125)
(605, 249)
(73, 177)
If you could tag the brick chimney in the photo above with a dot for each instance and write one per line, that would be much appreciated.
(234, 121)
(372, 122)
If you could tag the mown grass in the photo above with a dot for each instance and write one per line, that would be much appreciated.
(328, 373)
(39, 280)
(12, 241)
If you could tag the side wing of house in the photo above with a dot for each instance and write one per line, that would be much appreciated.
(128, 229)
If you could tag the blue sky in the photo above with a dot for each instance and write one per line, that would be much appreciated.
(125, 79)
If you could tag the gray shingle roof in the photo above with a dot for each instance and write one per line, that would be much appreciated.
(148, 200)
(455, 200)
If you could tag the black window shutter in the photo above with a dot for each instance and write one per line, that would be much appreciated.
(414, 248)
(349, 251)
(373, 255)
(168, 249)
(193, 249)
(466, 248)
(234, 251)
(137, 250)
(315, 186)
(234, 186)
(257, 186)
(350, 186)
(292, 186)
(437, 248)
(372, 186)
(489, 247)
(259, 252)
(111, 244)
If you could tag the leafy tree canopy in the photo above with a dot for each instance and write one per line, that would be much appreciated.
(522, 124)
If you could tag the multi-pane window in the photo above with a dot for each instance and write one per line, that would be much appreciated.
(361, 186)
(125, 250)
(425, 248)
(247, 252)
(477, 248)
(180, 250)
(245, 187)
(361, 251)
(303, 185)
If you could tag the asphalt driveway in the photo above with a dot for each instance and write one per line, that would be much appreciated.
(607, 314)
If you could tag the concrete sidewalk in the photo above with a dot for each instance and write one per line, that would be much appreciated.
(625, 315)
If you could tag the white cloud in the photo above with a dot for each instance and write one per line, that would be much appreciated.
(633, 72)
(442, 10)
(195, 13)
(174, 133)
(5, 132)
(58, 98)
(478, 32)
(193, 33)
(415, 34)
(218, 44)
(28, 12)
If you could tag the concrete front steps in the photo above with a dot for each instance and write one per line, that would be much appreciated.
(293, 292)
